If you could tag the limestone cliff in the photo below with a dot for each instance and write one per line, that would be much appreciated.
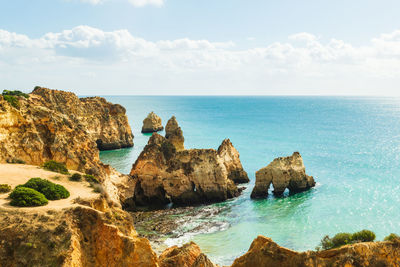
(77, 236)
(264, 252)
(152, 123)
(57, 125)
(285, 172)
(232, 163)
(165, 175)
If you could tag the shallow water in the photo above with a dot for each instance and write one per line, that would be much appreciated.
(350, 145)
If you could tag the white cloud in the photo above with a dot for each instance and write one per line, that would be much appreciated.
(140, 3)
(303, 64)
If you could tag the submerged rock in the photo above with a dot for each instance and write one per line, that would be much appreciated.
(284, 172)
(57, 125)
(164, 174)
(152, 123)
(265, 252)
(174, 134)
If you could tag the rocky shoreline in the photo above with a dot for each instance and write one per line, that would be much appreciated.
(96, 231)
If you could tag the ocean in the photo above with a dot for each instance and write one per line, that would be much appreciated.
(351, 145)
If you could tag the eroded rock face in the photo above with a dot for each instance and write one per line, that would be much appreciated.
(152, 123)
(174, 134)
(285, 172)
(165, 175)
(78, 236)
(264, 252)
(57, 125)
(184, 256)
(232, 162)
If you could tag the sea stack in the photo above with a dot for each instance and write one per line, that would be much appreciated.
(152, 123)
(165, 172)
(230, 156)
(174, 134)
(284, 172)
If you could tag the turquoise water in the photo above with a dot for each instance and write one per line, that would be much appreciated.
(350, 145)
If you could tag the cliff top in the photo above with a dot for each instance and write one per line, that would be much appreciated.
(16, 174)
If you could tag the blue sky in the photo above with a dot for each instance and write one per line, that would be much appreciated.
(202, 47)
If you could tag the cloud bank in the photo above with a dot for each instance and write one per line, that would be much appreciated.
(136, 3)
(91, 60)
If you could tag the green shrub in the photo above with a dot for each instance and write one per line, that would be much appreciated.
(15, 161)
(76, 177)
(27, 197)
(51, 190)
(392, 237)
(91, 179)
(363, 236)
(14, 93)
(55, 166)
(5, 188)
(342, 239)
(12, 100)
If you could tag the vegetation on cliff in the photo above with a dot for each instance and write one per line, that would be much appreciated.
(27, 197)
(55, 166)
(341, 239)
(4, 188)
(50, 190)
(76, 177)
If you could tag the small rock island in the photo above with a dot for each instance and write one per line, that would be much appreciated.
(152, 123)
(284, 172)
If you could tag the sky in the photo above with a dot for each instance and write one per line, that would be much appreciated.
(201, 47)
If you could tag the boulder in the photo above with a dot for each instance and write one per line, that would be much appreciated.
(152, 123)
(284, 172)
(164, 175)
(232, 162)
(174, 134)
(188, 255)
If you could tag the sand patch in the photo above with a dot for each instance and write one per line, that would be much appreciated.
(16, 174)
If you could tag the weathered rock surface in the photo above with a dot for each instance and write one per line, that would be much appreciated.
(232, 162)
(152, 123)
(189, 255)
(57, 125)
(284, 172)
(164, 175)
(174, 134)
(79, 236)
(264, 252)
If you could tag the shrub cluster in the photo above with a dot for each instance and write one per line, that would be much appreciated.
(15, 161)
(91, 179)
(5, 188)
(392, 237)
(50, 190)
(27, 197)
(55, 166)
(342, 239)
(76, 177)
(14, 93)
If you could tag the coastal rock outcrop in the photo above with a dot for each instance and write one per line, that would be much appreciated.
(233, 165)
(57, 125)
(264, 252)
(284, 172)
(152, 123)
(189, 255)
(165, 175)
(174, 134)
(77, 236)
